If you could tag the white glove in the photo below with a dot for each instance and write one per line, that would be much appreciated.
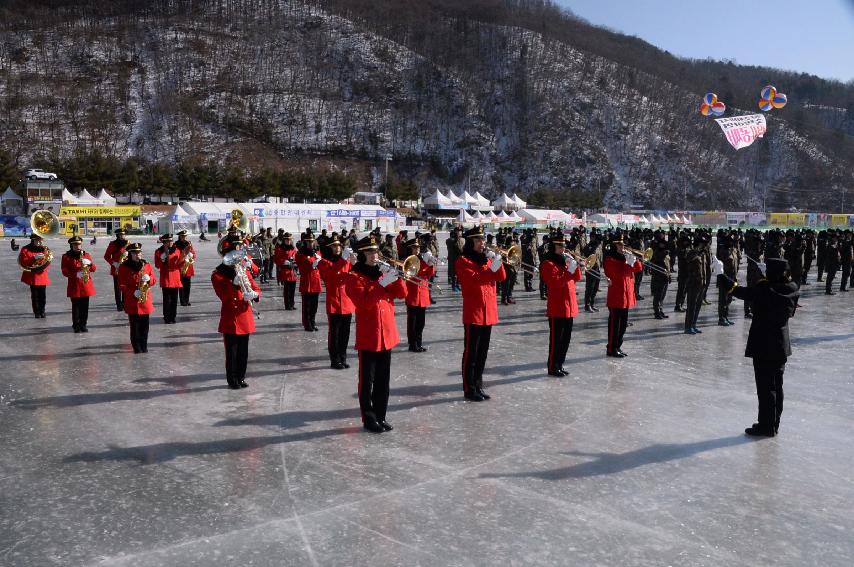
(490, 254)
(761, 266)
(80, 275)
(116, 265)
(315, 262)
(385, 268)
(631, 259)
(495, 263)
(86, 262)
(136, 293)
(348, 252)
(388, 278)
(145, 278)
(717, 267)
(39, 256)
(427, 256)
(571, 265)
(163, 256)
(250, 296)
(236, 281)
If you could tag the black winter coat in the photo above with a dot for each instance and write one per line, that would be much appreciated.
(773, 305)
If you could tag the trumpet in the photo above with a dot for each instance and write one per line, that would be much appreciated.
(513, 256)
(408, 270)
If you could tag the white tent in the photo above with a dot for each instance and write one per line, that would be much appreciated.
(504, 203)
(457, 200)
(86, 198)
(177, 221)
(438, 201)
(12, 203)
(68, 197)
(520, 204)
(503, 217)
(514, 216)
(105, 198)
(465, 218)
(544, 216)
(470, 200)
(643, 220)
(482, 202)
(296, 217)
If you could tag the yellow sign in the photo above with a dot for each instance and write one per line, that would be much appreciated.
(797, 219)
(124, 211)
(839, 220)
(778, 218)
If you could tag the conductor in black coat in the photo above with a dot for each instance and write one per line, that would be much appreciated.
(774, 300)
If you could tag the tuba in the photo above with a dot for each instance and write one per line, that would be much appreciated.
(235, 258)
(46, 225)
(238, 220)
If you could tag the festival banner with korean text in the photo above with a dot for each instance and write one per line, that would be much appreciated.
(778, 219)
(839, 220)
(741, 131)
(797, 219)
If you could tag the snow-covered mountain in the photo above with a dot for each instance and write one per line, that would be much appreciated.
(454, 98)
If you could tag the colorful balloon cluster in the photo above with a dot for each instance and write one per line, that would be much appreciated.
(770, 98)
(712, 106)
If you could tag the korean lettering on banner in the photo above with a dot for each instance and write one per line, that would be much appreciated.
(741, 131)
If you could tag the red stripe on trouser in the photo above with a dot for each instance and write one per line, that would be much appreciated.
(304, 312)
(551, 344)
(465, 358)
(361, 411)
(612, 325)
(329, 344)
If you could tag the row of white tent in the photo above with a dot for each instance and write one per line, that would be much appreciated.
(664, 219)
(85, 198)
(476, 202)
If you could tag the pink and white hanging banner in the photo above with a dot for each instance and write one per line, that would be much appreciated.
(741, 131)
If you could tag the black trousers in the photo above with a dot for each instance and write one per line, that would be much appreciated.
(474, 356)
(769, 391)
(529, 279)
(184, 292)
(680, 292)
(618, 322)
(508, 284)
(415, 320)
(638, 280)
(591, 288)
(309, 310)
(658, 288)
(544, 292)
(288, 294)
(268, 265)
(560, 334)
(694, 297)
(828, 285)
(807, 266)
(117, 291)
(139, 332)
(338, 337)
(38, 298)
(724, 298)
(79, 312)
(846, 275)
(236, 356)
(170, 303)
(262, 269)
(819, 264)
(374, 376)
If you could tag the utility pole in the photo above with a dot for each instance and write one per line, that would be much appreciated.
(385, 184)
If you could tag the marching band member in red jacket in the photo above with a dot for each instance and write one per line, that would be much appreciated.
(339, 307)
(477, 273)
(136, 277)
(620, 268)
(373, 289)
(285, 260)
(560, 273)
(308, 259)
(34, 259)
(77, 266)
(236, 288)
(187, 267)
(418, 295)
(113, 257)
(167, 259)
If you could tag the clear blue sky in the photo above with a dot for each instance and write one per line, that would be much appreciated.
(811, 36)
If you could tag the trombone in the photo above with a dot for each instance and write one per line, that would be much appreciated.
(513, 256)
(646, 255)
(408, 270)
(586, 263)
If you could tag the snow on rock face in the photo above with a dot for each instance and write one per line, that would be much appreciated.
(517, 112)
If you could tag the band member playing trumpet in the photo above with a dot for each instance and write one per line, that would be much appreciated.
(77, 267)
(236, 288)
(477, 273)
(560, 272)
(167, 259)
(285, 260)
(418, 295)
(308, 258)
(373, 289)
(136, 277)
(34, 259)
(187, 270)
(114, 256)
(620, 268)
(339, 309)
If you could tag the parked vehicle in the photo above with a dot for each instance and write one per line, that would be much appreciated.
(39, 174)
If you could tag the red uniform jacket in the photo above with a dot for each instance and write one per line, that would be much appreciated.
(478, 284)
(27, 257)
(561, 286)
(335, 277)
(376, 329)
(114, 254)
(129, 283)
(419, 295)
(621, 292)
(281, 258)
(309, 278)
(235, 317)
(188, 249)
(170, 270)
(70, 267)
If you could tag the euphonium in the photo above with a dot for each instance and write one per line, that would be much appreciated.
(188, 261)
